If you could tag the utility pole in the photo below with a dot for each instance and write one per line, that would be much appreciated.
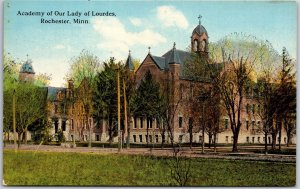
(14, 120)
(119, 112)
(126, 133)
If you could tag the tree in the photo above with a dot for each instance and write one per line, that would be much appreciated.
(30, 106)
(83, 71)
(105, 97)
(239, 54)
(42, 80)
(147, 100)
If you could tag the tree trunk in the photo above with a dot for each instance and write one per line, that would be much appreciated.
(25, 136)
(209, 140)
(147, 139)
(191, 138)
(266, 143)
(215, 139)
(235, 142)
(279, 136)
(163, 136)
(273, 141)
(19, 139)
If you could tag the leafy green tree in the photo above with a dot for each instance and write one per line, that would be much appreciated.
(83, 72)
(105, 97)
(147, 100)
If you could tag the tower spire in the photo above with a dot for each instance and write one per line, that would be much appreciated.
(199, 17)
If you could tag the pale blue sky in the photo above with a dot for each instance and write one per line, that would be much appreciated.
(137, 26)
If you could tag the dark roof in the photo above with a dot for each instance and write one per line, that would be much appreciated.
(129, 63)
(52, 91)
(27, 67)
(200, 30)
(160, 61)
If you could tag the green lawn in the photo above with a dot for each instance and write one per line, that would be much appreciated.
(48, 168)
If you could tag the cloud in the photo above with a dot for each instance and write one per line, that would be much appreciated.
(135, 21)
(116, 39)
(169, 16)
(60, 46)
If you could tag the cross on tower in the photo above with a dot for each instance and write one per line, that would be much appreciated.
(199, 17)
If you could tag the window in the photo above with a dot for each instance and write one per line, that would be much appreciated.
(180, 138)
(157, 123)
(247, 125)
(226, 139)
(226, 123)
(141, 122)
(247, 108)
(63, 125)
(258, 139)
(135, 123)
(134, 138)
(149, 122)
(97, 138)
(247, 139)
(72, 138)
(258, 124)
(253, 109)
(156, 138)
(253, 139)
(180, 122)
(141, 138)
(253, 125)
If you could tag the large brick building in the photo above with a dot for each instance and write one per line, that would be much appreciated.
(68, 114)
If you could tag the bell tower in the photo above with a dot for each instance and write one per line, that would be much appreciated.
(199, 39)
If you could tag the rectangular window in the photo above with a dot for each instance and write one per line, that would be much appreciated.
(226, 139)
(226, 123)
(141, 122)
(180, 122)
(253, 125)
(247, 139)
(72, 137)
(157, 123)
(156, 138)
(258, 124)
(134, 138)
(258, 139)
(253, 109)
(97, 138)
(247, 125)
(63, 125)
(180, 138)
(253, 139)
(247, 108)
(135, 123)
(141, 138)
(149, 122)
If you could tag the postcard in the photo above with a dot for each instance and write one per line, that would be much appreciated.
(149, 93)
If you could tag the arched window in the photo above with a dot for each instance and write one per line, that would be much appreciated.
(203, 44)
(195, 45)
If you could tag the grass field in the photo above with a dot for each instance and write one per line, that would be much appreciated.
(49, 168)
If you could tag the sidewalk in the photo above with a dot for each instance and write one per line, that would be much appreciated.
(194, 153)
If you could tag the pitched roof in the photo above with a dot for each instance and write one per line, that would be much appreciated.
(52, 91)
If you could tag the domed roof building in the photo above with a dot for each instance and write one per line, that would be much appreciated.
(26, 72)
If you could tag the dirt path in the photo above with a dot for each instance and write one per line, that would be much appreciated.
(196, 152)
